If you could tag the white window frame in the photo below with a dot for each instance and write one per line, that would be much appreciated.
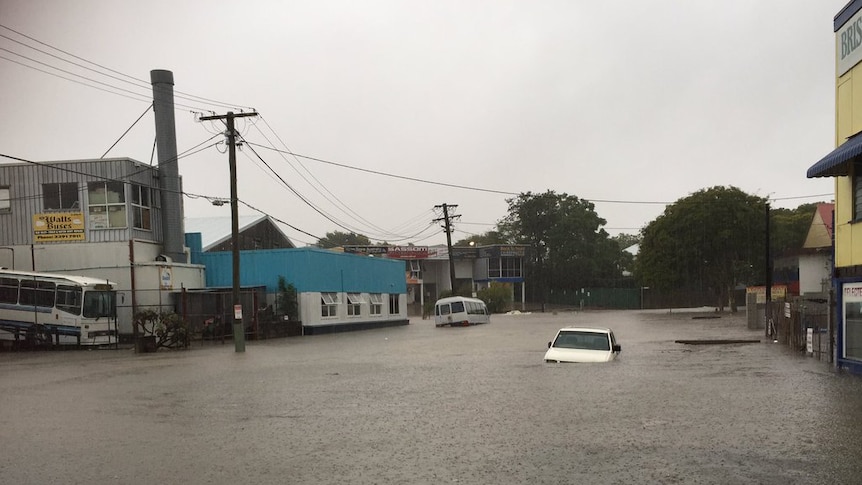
(329, 305)
(494, 268)
(107, 214)
(74, 201)
(5, 198)
(376, 306)
(511, 267)
(142, 203)
(415, 269)
(354, 304)
(394, 304)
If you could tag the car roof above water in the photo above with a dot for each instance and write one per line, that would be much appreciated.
(585, 329)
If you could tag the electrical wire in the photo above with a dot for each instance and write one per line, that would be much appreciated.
(341, 205)
(376, 172)
(138, 82)
(317, 209)
(76, 81)
(127, 130)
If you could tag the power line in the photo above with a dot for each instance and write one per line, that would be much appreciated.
(375, 172)
(76, 81)
(317, 209)
(340, 205)
(137, 82)
(128, 130)
(477, 189)
(124, 180)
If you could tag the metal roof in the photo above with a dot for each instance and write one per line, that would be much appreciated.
(215, 230)
(837, 163)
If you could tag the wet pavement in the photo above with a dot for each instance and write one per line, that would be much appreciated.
(421, 404)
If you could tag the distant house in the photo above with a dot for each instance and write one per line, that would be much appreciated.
(255, 232)
(816, 260)
(808, 269)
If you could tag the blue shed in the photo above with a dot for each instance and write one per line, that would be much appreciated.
(335, 291)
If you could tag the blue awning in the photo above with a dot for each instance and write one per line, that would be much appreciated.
(838, 162)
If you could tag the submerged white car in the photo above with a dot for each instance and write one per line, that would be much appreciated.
(583, 344)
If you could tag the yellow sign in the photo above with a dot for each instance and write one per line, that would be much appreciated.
(58, 226)
(779, 292)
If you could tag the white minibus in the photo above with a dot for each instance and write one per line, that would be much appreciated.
(460, 311)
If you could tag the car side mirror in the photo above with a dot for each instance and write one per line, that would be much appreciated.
(549, 345)
(618, 348)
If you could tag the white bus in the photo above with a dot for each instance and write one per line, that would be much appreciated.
(57, 309)
(460, 311)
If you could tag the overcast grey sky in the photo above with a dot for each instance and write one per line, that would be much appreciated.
(627, 103)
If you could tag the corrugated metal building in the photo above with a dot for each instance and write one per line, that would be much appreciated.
(99, 218)
(336, 291)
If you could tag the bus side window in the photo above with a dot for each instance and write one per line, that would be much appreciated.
(8, 290)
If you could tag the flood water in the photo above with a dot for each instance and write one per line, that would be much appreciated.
(427, 405)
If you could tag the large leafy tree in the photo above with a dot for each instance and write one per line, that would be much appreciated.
(569, 249)
(789, 228)
(713, 239)
(337, 238)
(485, 239)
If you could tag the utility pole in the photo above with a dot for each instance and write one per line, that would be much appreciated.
(238, 330)
(448, 226)
(770, 329)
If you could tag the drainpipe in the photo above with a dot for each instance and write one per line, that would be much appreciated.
(134, 292)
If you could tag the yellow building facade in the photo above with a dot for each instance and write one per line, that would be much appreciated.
(844, 164)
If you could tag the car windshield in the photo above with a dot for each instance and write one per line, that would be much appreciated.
(582, 340)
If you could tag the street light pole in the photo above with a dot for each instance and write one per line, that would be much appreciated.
(238, 330)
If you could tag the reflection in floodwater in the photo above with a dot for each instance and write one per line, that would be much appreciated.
(426, 404)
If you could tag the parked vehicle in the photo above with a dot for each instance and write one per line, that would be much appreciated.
(581, 344)
(460, 311)
(57, 308)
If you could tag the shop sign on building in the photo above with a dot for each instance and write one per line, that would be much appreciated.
(849, 44)
(58, 227)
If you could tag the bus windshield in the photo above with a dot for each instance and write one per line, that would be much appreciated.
(100, 304)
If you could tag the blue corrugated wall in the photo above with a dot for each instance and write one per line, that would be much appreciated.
(307, 269)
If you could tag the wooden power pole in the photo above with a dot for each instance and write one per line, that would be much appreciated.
(448, 227)
(238, 330)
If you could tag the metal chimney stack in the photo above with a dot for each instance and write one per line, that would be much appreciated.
(169, 173)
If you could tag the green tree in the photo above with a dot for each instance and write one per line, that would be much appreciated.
(485, 239)
(789, 228)
(569, 249)
(286, 300)
(337, 239)
(712, 239)
(498, 297)
(626, 240)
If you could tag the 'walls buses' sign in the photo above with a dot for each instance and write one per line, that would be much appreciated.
(58, 226)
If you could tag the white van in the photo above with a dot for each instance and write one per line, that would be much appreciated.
(460, 311)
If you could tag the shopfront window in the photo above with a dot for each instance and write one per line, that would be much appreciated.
(853, 321)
